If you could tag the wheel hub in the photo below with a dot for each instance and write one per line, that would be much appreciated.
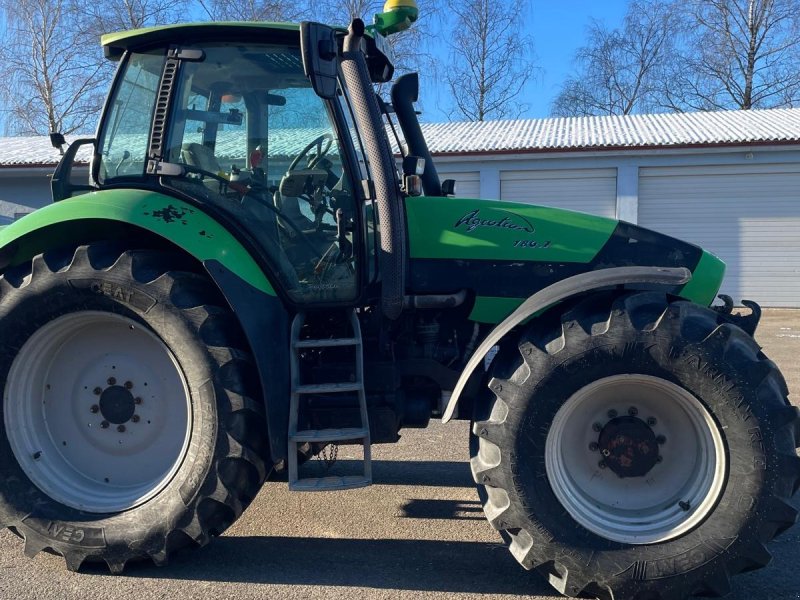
(117, 405)
(628, 446)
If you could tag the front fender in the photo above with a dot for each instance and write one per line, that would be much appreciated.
(184, 225)
(558, 292)
(233, 269)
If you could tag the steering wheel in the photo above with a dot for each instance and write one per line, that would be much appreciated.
(323, 144)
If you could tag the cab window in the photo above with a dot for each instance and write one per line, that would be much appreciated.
(254, 139)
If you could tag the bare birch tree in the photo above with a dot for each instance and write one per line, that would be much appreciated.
(739, 54)
(50, 78)
(490, 58)
(251, 10)
(620, 70)
(120, 15)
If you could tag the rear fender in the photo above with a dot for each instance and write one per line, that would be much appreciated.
(148, 218)
(558, 292)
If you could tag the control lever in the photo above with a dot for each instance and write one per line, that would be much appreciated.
(345, 246)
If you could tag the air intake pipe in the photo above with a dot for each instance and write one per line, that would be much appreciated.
(405, 92)
(392, 253)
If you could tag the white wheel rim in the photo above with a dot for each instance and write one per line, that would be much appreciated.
(676, 493)
(97, 412)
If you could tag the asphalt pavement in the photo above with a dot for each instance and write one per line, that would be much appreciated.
(417, 532)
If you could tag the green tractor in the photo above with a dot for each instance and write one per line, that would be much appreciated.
(249, 276)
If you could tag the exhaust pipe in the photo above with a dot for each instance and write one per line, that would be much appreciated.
(405, 92)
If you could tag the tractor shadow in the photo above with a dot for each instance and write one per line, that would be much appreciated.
(365, 560)
(415, 565)
(412, 565)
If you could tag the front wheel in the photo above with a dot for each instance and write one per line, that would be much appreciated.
(636, 446)
(130, 425)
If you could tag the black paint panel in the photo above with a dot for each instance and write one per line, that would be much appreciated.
(629, 245)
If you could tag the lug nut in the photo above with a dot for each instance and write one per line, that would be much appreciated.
(128, 385)
(606, 452)
(135, 418)
(661, 440)
(137, 400)
(602, 464)
(633, 411)
(112, 381)
(121, 428)
(104, 424)
(594, 447)
(94, 408)
(659, 459)
(597, 427)
(612, 414)
(98, 391)
(651, 421)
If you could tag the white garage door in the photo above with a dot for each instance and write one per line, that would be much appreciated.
(586, 190)
(748, 217)
(468, 185)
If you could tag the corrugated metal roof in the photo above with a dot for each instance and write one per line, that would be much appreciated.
(523, 135)
(631, 131)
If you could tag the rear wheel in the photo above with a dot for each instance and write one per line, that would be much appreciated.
(130, 425)
(636, 447)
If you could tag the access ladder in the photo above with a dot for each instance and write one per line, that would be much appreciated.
(323, 436)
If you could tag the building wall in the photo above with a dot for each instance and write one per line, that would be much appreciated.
(28, 188)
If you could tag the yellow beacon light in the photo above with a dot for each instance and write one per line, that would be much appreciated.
(397, 15)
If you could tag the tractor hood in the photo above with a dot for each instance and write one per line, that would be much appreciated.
(504, 252)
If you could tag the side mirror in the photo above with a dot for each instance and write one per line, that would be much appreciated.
(58, 141)
(413, 165)
(320, 52)
(449, 187)
(61, 185)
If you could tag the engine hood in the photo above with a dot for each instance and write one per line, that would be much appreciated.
(505, 251)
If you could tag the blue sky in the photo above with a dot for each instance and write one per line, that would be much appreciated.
(558, 29)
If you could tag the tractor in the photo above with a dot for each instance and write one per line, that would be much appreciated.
(251, 275)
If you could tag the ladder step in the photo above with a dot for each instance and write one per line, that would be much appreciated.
(319, 484)
(324, 388)
(327, 343)
(329, 435)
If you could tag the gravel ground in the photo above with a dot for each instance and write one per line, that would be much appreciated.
(418, 532)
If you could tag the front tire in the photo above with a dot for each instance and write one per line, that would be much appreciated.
(635, 446)
(129, 425)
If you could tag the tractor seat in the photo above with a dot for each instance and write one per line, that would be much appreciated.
(200, 156)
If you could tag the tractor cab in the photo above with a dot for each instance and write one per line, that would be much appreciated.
(235, 124)
(254, 124)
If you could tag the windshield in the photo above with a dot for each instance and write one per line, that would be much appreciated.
(123, 142)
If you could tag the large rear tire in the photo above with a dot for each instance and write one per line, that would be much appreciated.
(635, 446)
(130, 425)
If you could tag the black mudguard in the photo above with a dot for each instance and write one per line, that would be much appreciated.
(265, 322)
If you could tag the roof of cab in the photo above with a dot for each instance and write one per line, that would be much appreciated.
(116, 43)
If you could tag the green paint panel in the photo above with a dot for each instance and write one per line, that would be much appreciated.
(489, 309)
(489, 229)
(706, 280)
(184, 225)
